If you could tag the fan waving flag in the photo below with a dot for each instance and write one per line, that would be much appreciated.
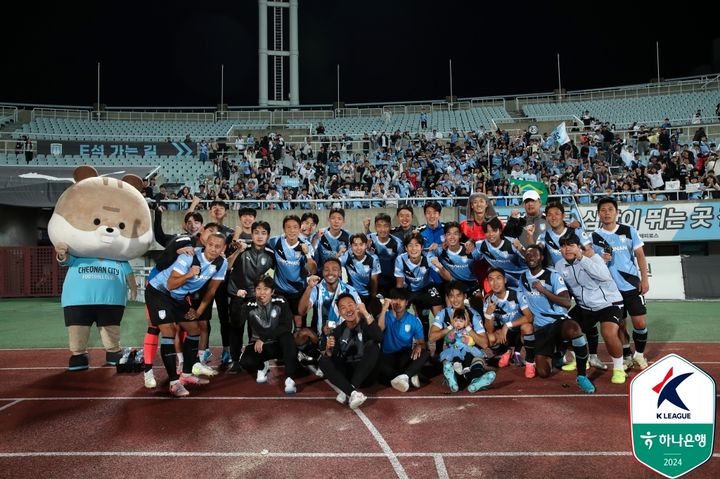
(538, 186)
(559, 135)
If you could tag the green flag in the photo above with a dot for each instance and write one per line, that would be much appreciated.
(538, 186)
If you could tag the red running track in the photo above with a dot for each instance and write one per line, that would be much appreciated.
(98, 423)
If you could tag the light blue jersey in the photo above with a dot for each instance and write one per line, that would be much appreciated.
(209, 271)
(551, 241)
(508, 308)
(324, 302)
(360, 271)
(416, 276)
(387, 253)
(290, 264)
(92, 281)
(458, 263)
(544, 312)
(624, 241)
(444, 319)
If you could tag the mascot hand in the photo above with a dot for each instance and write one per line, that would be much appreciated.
(61, 250)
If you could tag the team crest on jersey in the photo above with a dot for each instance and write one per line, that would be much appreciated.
(162, 314)
(273, 313)
(212, 269)
(543, 226)
(366, 268)
(422, 270)
(407, 328)
(298, 254)
(263, 261)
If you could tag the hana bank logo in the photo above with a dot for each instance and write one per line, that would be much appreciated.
(667, 391)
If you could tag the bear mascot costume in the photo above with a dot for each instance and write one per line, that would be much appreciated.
(99, 223)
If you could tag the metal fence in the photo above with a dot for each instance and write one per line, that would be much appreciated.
(30, 271)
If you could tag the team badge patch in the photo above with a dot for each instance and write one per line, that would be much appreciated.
(407, 328)
(162, 314)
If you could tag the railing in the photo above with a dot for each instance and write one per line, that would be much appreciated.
(9, 112)
(579, 199)
(60, 113)
(110, 115)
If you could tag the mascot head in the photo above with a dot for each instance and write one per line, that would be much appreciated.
(102, 217)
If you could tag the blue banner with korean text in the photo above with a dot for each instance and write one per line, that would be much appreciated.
(655, 221)
(666, 221)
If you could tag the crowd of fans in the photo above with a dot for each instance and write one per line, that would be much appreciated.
(381, 169)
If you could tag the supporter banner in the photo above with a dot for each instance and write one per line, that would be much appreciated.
(104, 148)
(655, 222)
(666, 221)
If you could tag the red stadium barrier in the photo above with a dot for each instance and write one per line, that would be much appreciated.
(30, 271)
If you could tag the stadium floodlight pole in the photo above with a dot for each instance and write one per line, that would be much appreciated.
(98, 91)
(451, 96)
(222, 86)
(657, 56)
(337, 106)
(559, 80)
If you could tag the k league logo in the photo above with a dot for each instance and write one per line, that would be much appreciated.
(672, 416)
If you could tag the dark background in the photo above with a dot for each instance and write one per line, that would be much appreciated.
(156, 53)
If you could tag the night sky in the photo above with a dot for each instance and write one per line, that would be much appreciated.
(169, 53)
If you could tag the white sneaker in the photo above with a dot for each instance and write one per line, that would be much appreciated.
(341, 397)
(262, 374)
(595, 362)
(401, 383)
(200, 369)
(192, 379)
(415, 381)
(150, 381)
(178, 390)
(290, 387)
(356, 399)
(458, 367)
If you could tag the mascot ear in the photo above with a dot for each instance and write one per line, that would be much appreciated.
(134, 180)
(84, 172)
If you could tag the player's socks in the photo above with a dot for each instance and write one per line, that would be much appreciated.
(190, 350)
(640, 338)
(169, 358)
(150, 346)
(529, 342)
(627, 352)
(593, 339)
(580, 347)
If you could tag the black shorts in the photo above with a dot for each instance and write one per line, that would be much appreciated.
(634, 303)
(293, 300)
(548, 338)
(588, 319)
(427, 297)
(86, 315)
(163, 309)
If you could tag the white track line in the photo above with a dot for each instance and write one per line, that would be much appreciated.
(307, 398)
(387, 451)
(11, 404)
(440, 466)
(304, 455)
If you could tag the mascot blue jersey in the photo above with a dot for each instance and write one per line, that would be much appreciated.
(92, 281)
